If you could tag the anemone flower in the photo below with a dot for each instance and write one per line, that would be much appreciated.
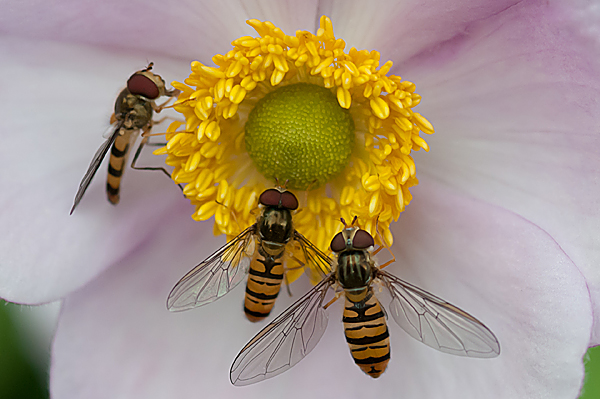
(504, 222)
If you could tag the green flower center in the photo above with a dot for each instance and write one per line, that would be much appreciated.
(299, 133)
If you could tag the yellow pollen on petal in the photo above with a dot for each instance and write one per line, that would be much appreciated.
(210, 152)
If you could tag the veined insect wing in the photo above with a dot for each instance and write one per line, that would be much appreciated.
(216, 275)
(313, 255)
(285, 341)
(435, 322)
(94, 165)
(110, 130)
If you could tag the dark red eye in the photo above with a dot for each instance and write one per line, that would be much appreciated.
(338, 244)
(142, 85)
(270, 197)
(289, 201)
(362, 240)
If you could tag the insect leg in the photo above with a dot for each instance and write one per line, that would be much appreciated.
(378, 250)
(299, 265)
(389, 261)
(335, 298)
(144, 142)
(383, 246)
(172, 95)
(287, 284)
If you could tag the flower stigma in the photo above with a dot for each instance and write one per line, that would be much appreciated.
(330, 124)
(299, 131)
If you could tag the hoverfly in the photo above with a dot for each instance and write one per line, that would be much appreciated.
(294, 333)
(257, 251)
(133, 111)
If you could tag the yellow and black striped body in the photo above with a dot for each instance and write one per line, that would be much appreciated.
(116, 166)
(132, 113)
(366, 331)
(264, 282)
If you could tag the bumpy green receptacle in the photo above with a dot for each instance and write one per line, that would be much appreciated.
(301, 134)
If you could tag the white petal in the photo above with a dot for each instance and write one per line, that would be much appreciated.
(515, 107)
(56, 102)
(512, 276)
(116, 339)
(188, 30)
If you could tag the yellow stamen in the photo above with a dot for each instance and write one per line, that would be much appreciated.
(222, 181)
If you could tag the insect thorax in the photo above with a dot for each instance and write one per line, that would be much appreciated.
(275, 225)
(135, 110)
(354, 269)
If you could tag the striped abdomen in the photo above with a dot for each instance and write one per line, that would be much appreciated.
(264, 281)
(116, 166)
(367, 334)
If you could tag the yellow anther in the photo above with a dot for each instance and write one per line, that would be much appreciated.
(222, 191)
(204, 179)
(160, 151)
(374, 203)
(209, 149)
(234, 69)
(220, 90)
(213, 131)
(370, 183)
(388, 237)
(314, 205)
(208, 194)
(201, 112)
(368, 90)
(344, 97)
(211, 72)
(423, 123)
(210, 154)
(237, 94)
(250, 204)
(351, 67)
(206, 211)
(322, 65)
(404, 124)
(405, 175)
(420, 142)
(192, 162)
(390, 185)
(380, 108)
(276, 77)
(174, 141)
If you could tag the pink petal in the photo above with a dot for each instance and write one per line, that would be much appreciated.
(515, 105)
(116, 339)
(57, 101)
(401, 29)
(189, 30)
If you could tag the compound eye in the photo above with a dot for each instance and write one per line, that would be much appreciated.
(338, 244)
(270, 197)
(142, 85)
(289, 201)
(362, 240)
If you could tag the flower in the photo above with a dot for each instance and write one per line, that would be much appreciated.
(259, 117)
(502, 223)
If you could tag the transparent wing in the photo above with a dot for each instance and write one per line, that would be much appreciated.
(94, 165)
(284, 342)
(321, 261)
(436, 322)
(216, 275)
